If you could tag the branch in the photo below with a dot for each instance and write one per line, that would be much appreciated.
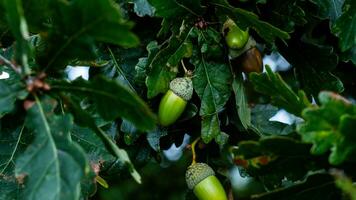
(8, 63)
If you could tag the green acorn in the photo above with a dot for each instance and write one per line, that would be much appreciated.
(201, 178)
(235, 37)
(175, 100)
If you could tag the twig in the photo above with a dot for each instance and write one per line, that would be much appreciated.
(9, 64)
(193, 150)
(184, 68)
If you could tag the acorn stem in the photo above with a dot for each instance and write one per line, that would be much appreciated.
(184, 68)
(193, 150)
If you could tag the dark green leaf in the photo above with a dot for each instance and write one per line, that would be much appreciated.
(318, 186)
(9, 93)
(53, 165)
(153, 138)
(91, 142)
(282, 95)
(212, 84)
(349, 55)
(314, 63)
(10, 148)
(331, 9)
(112, 100)
(243, 109)
(130, 132)
(345, 26)
(176, 8)
(70, 39)
(245, 19)
(164, 64)
(286, 14)
(261, 115)
(18, 25)
(9, 188)
(268, 157)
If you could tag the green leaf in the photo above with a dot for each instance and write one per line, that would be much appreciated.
(112, 100)
(153, 138)
(164, 64)
(314, 63)
(245, 19)
(124, 66)
(10, 148)
(91, 142)
(13, 141)
(345, 26)
(212, 84)
(18, 25)
(167, 8)
(349, 55)
(317, 186)
(330, 9)
(68, 39)
(286, 14)
(260, 120)
(241, 102)
(268, 157)
(330, 128)
(281, 94)
(53, 165)
(344, 183)
(9, 188)
(131, 133)
(176, 8)
(9, 93)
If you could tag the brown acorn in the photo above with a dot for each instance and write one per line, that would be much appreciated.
(250, 61)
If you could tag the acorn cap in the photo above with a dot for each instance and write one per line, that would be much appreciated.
(196, 173)
(182, 87)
